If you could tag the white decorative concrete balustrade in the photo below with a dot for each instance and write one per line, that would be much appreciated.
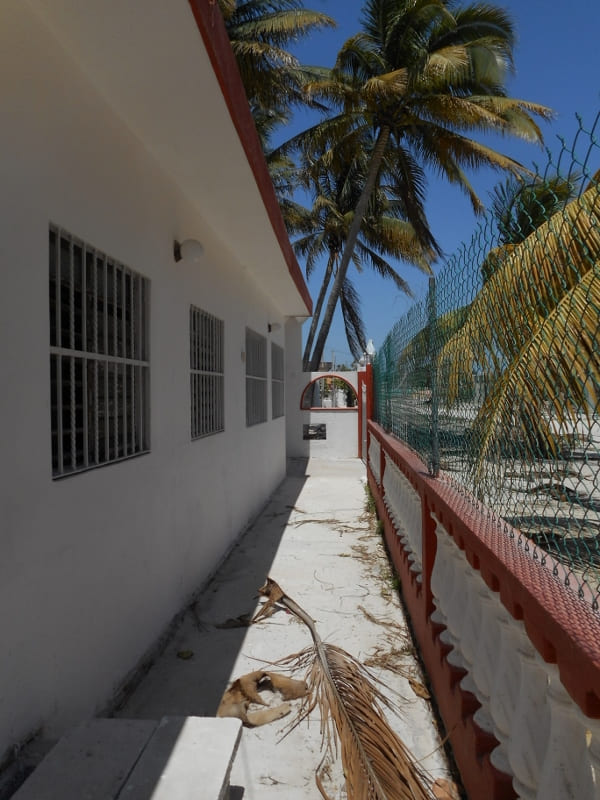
(548, 746)
(404, 507)
(374, 459)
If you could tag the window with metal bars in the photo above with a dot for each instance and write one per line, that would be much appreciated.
(99, 361)
(206, 374)
(256, 378)
(277, 381)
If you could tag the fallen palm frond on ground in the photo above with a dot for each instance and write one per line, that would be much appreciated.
(377, 764)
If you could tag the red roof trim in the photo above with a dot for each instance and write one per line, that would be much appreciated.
(212, 29)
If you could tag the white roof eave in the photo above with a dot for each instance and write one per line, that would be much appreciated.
(148, 60)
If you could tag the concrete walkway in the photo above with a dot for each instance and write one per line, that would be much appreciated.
(315, 539)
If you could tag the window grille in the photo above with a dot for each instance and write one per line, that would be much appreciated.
(206, 374)
(277, 381)
(99, 361)
(256, 378)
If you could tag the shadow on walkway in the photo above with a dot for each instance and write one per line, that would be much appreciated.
(189, 678)
(315, 540)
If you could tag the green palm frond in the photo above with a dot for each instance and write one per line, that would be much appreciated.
(446, 66)
(383, 268)
(227, 7)
(554, 380)
(353, 324)
(520, 207)
(416, 356)
(389, 87)
(440, 146)
(280, 27)
(260, 32)
(532, 331)
(312, 248)
(501, 115)
(359, 58)
(398, 239)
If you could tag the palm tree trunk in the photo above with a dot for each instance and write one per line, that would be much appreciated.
(359, 215)
(317, 312)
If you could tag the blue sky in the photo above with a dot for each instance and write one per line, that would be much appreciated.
(557, 62)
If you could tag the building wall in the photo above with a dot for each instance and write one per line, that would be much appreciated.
(341, 424)
(93, 566)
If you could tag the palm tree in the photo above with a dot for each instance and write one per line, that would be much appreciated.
(421, 76)
(532, 330)
(324, 228)
(520, 206)
(259, 32)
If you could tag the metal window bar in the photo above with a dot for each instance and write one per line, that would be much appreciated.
(99, 387)
(124, 449)
(58, 364)
(105, 303)
(277, 381)
(256, 378)
(206, 374)
(84, 327)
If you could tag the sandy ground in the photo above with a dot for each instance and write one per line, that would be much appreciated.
(316, 540)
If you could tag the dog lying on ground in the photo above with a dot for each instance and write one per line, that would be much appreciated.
(246, 690)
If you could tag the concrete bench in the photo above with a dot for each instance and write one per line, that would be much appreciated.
(178, 758)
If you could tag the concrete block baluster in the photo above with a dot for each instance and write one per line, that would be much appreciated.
(567, 769)
(454, 605)
(441, 575)
(400, 500)
(530, 723)
(486, 656)
(413, 521)
(486, 666)
(389, 487)
(393, 499)
(374, 458)
(471, 624)
(486, 653)
(507, 676)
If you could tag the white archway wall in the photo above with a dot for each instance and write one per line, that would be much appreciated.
(341, 424)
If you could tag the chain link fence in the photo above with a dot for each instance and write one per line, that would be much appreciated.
(494, 378)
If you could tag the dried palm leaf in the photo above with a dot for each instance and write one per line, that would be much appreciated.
(377, 764)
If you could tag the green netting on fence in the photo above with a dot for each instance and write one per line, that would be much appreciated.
(494, 378)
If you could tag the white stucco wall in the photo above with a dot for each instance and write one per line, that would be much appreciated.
(342, 424)
(93, 566)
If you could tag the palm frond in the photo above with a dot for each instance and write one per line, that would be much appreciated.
(390, 86)
(520, 207)
(353, 324)
(377, 764)
(532, 331)
(554, 379)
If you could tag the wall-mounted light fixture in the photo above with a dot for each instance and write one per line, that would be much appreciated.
(274, 326)
(188, 250)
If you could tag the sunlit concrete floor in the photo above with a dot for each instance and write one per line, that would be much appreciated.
(316, 540)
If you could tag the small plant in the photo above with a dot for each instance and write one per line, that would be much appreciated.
(370, 506)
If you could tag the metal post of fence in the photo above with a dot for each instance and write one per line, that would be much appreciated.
(435, 435)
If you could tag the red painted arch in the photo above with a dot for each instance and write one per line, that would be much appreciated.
(338, 376)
